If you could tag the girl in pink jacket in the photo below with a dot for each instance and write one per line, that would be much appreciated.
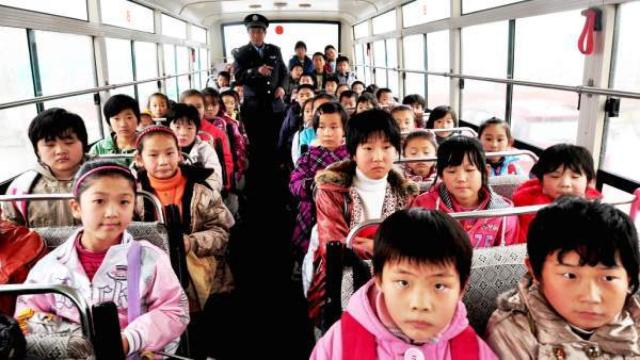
(464, 187)
(103, 263)
(412, 308)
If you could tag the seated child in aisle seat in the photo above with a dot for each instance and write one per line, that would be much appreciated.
(362, 188)
(579, 298)
(184, 120)
(465, 187)
(495, 135)
(123, 113)
(152, 307)
(59, 140)
(205, 219)
(412, 308)
(562, 169)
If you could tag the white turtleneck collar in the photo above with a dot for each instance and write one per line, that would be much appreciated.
(372, 192)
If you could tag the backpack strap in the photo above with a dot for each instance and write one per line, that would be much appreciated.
(134, 263)
(20, 186)
(357, 342)
(465, 345)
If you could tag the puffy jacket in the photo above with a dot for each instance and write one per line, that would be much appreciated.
(201, 152)
(530, 193)
(483, 232)
(336, 198)
(525, 326)
(39, 213)
(222, 139)
(165, 310)
(362, 308)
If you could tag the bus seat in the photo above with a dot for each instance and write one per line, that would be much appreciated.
(494, 270)
(506, 185)
(153, 232)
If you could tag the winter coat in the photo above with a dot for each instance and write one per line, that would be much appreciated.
(40, 213)
(525, 326)
(165, 312)
(109, 146)
(237, 143)
(202, 153)
(301, 186)
(483, 232)
(530, 193)
(363, 310)
(206, 224)
(222, 141)
(339, 208)
(508, 165)
(307, 64)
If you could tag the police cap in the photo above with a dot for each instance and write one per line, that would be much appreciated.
(256, 20)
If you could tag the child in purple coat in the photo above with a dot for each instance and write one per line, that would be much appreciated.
(329, 122)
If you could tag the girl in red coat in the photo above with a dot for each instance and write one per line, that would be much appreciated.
(562, 169)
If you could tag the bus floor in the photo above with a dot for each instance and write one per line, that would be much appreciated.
(266, 315)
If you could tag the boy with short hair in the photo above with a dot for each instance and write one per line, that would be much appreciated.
(348, 100)
(343, 71)
(385, 98)
(418, 104)
(123, 113)
(59, 140)
(331, 85)
(578, 299)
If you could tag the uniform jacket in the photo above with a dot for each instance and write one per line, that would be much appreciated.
(301, 186)
(530, 193)
(340, 208)
(202, 153)
(307, 64)
(389, 346)
(164, 305)
(483, 232)
(508, 165)
(40, 180)
(109, 146)
(247, 62)
(525, 326)
(206, 224)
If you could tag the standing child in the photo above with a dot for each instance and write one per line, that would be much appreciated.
(562, 169)
(495, 135)
(579, 299)
(412, 308)
(465, 187)
(123, 113)
(442, 117)
(184, 120)
(362, 188)
(420, 144)
(59, 140)
(103, 262)
(205, 219)
(404, 117)
(158, 104)
(329, 122)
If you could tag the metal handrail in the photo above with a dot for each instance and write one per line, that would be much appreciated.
(93, 90)
(86, 319)
(528, 153)
(580, 89)
(43, 197)
(465, 215)
(460, 129)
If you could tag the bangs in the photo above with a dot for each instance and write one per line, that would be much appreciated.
(55, 133)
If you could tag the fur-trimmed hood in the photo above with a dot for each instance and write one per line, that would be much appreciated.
(339, 176)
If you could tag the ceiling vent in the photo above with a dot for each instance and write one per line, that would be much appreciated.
(255, 6)
(304, 5)
(279, 4)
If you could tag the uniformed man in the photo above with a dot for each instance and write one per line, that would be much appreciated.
(262, 72)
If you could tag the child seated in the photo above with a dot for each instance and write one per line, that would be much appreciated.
(330, 121)
(145, 119)
(465, 187)
(184, 120)
(357, 87)
(348, 100)
(307, 116)
(158, 104)
(412, 308)
(385, 99)
(123, 113)
(420, 144)
(103, 262)
(562, 169)
(578, 300)
(362, 188)
(495, 135)
(308, 135)
(442, 117)
(366, 101)
(404, 117)
(418, 104)
(59, 140)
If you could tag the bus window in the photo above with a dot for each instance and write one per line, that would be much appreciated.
(438, 60)
(119, 65)
(424, 11)
(384, 23)
(146, 68)
(170, 68)
(413, 47)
